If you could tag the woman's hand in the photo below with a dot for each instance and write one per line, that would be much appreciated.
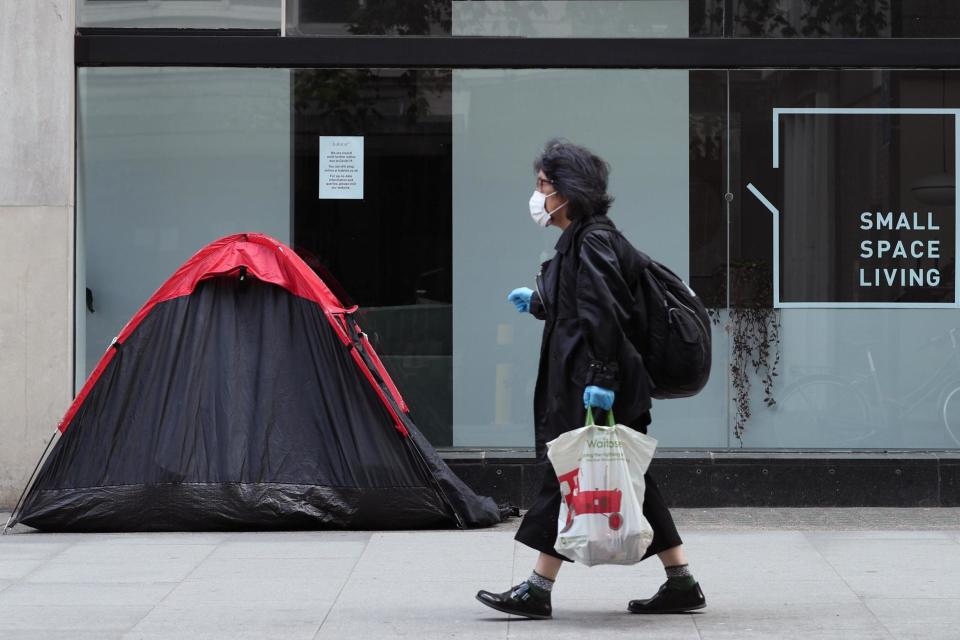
(521, 298)
(594, 396)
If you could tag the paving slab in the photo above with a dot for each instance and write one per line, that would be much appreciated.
(432, 555)
(304, 570)
(918, 618)
(847, 621)
(308, 537)
(271, 592)
(17, 569)
(578, 622)
(108, 551)
(48, 616)
(82, 594)
(424, 602)
(422, 609)
(893, 534)
(240, 621)
(426, 628)
(13, 549)
(896, 568)
(114, 571)
(317, 547)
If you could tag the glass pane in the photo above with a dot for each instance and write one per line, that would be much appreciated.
(665, 164)
(572, 19)
(844, 236)
(533, 19)
(384, 243)
(180, 14)
(846, 18)
(368, 18)
(167, 161)
(707, 18)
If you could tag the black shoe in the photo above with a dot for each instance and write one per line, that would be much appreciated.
(668, 600)
(519, 601)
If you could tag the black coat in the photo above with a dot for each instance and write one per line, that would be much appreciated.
(587, 305)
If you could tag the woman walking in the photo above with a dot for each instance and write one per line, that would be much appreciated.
(586, 360)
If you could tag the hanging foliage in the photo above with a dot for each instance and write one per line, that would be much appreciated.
(754, 326)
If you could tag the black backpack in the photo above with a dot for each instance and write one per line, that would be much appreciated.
(671, 326)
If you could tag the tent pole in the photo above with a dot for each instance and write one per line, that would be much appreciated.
(19, 504)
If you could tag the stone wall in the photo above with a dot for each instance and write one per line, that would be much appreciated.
(36, 230)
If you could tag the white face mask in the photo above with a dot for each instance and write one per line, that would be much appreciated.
(538, 208)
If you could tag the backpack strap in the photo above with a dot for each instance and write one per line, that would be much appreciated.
(645, 260)
(590, 226)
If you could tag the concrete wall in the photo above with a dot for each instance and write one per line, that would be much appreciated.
(36, 230)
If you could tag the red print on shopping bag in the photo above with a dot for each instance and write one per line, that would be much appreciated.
(602, 501)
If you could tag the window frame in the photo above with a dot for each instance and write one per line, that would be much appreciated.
(151, 47)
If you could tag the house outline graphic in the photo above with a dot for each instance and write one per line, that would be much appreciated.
(777, 112)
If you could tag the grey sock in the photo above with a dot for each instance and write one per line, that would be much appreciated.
(678, 571)
(539, 582)
(679, 577)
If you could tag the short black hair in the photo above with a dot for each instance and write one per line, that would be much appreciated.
(578, 174)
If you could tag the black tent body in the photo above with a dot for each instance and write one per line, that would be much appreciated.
(244, 405)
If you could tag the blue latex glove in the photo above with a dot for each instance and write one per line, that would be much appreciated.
(521, 298)
(594, 396)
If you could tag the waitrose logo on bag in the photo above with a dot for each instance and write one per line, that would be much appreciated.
(611, 443)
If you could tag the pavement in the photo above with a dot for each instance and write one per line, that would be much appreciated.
(767, 573)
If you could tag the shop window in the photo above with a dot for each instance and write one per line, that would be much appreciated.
(824, 197)
(845, 200)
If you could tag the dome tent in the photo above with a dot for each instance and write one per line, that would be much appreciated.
(243, 395)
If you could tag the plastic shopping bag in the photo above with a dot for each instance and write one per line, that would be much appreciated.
(600, 470)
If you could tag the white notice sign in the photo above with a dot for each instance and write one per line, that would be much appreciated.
(341, 167)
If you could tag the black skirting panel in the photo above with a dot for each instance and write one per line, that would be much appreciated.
(727, 480)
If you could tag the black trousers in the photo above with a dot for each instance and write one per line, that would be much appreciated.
(538, 530)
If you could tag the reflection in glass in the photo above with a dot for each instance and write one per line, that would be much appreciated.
(707, 18)
(842, 18)
(572, 18)
(180, 14)
(368, 18)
